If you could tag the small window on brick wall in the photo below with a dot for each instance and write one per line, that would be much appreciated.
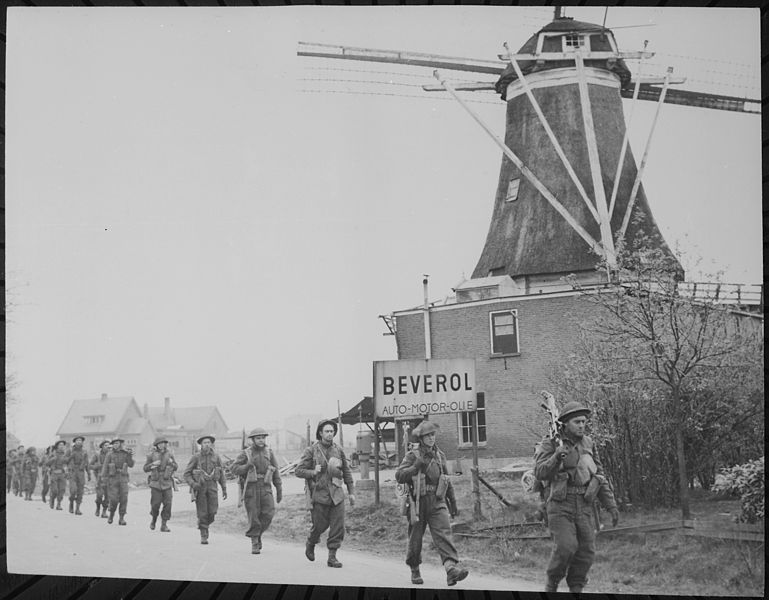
(503, 327)
(512, 190)
(480, 427)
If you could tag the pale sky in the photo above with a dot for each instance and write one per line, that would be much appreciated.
(184, 219)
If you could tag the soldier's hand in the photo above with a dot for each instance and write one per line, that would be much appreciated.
(278, 495)
(224, 494)
(419, 463)
(318, 469)
(614, 517)
(561, 451)
(352, 500)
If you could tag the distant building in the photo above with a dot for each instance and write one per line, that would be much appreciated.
(107, 418)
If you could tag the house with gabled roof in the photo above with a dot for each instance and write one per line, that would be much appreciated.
(97, 419)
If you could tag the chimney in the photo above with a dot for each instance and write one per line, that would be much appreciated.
(104, 396)
(167, 407)
(146, 411)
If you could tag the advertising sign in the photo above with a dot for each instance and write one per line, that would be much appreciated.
(411, 388)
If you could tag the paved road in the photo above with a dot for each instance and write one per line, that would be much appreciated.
(45, 541)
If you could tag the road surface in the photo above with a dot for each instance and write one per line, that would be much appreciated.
(45, 541)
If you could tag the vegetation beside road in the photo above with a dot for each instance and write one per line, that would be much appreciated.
(665, 563)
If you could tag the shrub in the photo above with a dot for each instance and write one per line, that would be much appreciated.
(747, 482)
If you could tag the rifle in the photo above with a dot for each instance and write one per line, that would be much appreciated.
(414, 514)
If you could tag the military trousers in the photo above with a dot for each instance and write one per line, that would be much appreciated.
(8, 480)
(46, 485)
(101, 493)
(30, 480)
(260, 507)
(117, 492)
(207, 503)
(160, 497)
(572, 527)
(58, 485)
(16, 482)
(435, 513)
(331, 517)
(76, 486)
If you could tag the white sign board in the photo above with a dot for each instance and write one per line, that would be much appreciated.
(411, 388)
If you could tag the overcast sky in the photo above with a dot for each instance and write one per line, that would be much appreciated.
(193, 211)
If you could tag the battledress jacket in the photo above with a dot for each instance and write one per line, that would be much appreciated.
(206, 469)
(434, 465)
(580, 466)
(262, 460)
(161, 478)
(116, 464)
(325, 489)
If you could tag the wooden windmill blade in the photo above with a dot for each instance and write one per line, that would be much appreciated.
(697, 99)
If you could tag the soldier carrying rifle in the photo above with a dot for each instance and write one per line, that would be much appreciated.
(567, 462)
(203, 472)
(115, 473)
(257, 469)
(432, 503)
(161, 466)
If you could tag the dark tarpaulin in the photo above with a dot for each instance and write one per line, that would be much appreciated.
(362, 412)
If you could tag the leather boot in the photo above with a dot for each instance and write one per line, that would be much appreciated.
(121, 521)
(111, 517)
(416, 576)
(58, 505)
(332, 561)
(309, 551)
(259, 541)
(71, 503)
(255, 549)
(163, 526)
(98, 510)
(575, 589)
(152, 523)
(43, 497)
(203, 536)
(455, 573)
(551, 586)
(104, 512)
(77, 509)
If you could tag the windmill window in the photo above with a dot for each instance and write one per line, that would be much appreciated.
(512, 190)
(504, 332)
(573, 41)
(463, 422)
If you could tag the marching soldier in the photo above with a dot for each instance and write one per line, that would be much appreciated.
(115, 472)
(29, 472)
(10, 461)
(203, 473)
(325, 468)
(44, 469)
(432, 501)
(77, 467)
(57, 468)
(96, 464)
(18, 459)
(161, 466)
(257, 468)
(573, 477)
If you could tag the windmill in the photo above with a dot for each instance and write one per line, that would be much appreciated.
(569, 190)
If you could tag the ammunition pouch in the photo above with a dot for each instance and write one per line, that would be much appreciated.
(558, 487)
(592, 489)
(443, 485)
(168, 472)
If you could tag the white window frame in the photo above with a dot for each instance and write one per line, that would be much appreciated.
(463, 426)
(583, 39)
(514, 312)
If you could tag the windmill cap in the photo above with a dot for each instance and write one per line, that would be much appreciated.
(573, 409)
(322, 424)
(424, 428)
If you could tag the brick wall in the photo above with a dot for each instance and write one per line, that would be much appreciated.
(512, 385)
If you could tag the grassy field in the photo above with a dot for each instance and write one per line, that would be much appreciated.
(664, 563)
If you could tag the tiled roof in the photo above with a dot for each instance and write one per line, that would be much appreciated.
(98, 415)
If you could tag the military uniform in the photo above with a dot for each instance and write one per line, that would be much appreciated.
(10, 461)
(115, 472)
(29, 469)
(572, 485)
(96, 464)
(57, 468)
(327, 493)
(77, 467)
(436, 505)
(258, 472)
(204, 471)
(161, 466)
(16, 470)
(44, 469)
